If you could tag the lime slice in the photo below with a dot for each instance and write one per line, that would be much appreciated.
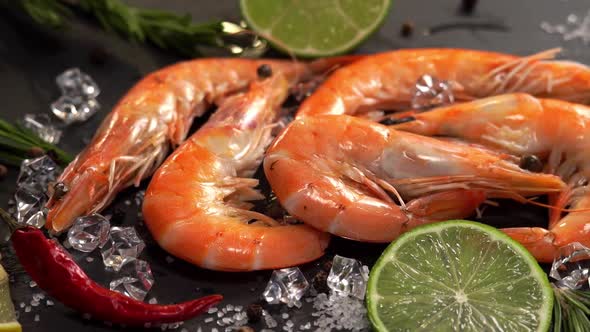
(8, 321)
(458, 276)
(312, 28)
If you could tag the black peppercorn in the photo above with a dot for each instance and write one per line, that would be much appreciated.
(320, 282)
(531, 163)
(467, 6)
(118, 215)
(3, 171)
(36, 151)
(254, 312)
(264, 71)
(407, 29)
(98, 56)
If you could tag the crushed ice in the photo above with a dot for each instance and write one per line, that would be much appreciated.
(122, 246)
(430, 92)
(286, 285)
(571, 266)
(135, 280)
(89, 232)
(42, 125)
(78, 101)
(30, 197)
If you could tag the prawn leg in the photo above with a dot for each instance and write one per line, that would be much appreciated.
(153, 116)
(197, 206)
(336, 173)
(554, 131)
(387, 80)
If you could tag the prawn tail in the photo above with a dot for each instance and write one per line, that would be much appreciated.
(538, 241)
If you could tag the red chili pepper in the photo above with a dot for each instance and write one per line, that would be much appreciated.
(54, 271)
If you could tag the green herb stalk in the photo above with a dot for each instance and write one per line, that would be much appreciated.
(570, 310)
(167, 30)
(17, 142)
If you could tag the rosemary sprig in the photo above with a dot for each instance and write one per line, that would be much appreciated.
(17, 142)
(164, 29)
(46, 12)
(571, 309)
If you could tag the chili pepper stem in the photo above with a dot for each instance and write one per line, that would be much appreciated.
(9, 220)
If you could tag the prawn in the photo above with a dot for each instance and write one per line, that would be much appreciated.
(197, 205)
(368, 182)
(387, 80)
(155, 114)
(552, 131)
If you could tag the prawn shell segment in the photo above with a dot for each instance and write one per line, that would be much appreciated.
(198, 204)
(553, 132)
(186, 214)
(153, 115)
(388, 79)
(350, 177)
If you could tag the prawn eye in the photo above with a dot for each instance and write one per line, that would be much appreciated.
(531, 163)
(264, 71)
(390, 121)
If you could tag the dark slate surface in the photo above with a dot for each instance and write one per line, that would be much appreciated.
(31, 57)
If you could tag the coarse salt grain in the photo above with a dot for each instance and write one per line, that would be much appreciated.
(339, 312)
(573, 28)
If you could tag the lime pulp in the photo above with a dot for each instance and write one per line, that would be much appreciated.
(312, 28)
(458, 276)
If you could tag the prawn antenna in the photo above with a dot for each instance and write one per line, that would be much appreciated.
(500, 77)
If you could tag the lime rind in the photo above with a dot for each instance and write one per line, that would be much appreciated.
(362, 33)
(544, 313)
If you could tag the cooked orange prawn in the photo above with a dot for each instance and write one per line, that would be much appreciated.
(197, 203)
(156, 113)
(387, 80)
(555, 131)
(337, 172)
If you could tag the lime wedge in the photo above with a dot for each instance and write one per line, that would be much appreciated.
(8, 321)
(312, 28)
(458, 276)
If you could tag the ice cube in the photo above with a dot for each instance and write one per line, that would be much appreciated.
(36, 174)
(43, 126)
(122, 246)
(348, 277)
(285, 285)
(74, 109)
(571, 266)
(134, 280)
(75, 83)
(430, 92)
(89, 232)
(30, 207)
